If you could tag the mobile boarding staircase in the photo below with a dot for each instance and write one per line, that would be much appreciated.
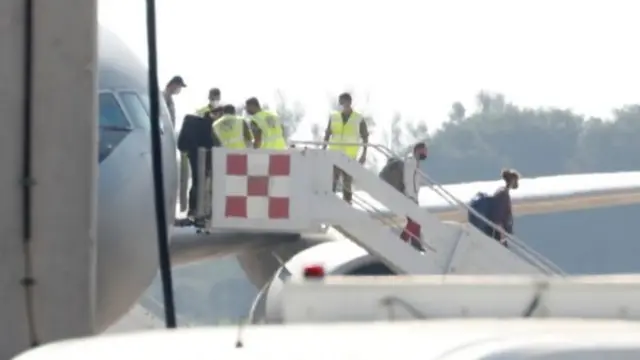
(291, 191)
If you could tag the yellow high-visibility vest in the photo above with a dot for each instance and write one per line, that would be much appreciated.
(346, 132)
(229, 129)
(271, 127)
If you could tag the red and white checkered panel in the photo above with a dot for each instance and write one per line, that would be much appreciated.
(257, 186)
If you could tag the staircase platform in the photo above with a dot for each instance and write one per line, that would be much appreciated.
(290, 191)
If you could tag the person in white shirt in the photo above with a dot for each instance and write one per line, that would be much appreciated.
(174, 86)
(411, 176)
(413, 181)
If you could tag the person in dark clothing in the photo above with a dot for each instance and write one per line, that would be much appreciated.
(501, 214)
(197, 132)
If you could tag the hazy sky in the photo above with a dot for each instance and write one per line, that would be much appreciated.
(413, 56)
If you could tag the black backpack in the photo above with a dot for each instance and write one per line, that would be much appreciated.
(393, 173)
(483, 204)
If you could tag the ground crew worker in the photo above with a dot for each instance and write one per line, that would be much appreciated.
(196, 133)
(501, 213)
(267, 128)
(346, 126)
(233, 131)
(174, 86)
(214, 101)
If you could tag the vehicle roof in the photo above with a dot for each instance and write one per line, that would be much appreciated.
(438, 339)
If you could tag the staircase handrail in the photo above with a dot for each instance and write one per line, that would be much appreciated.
(445, 194)
(527, 253)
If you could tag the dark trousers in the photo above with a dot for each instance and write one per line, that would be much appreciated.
(347, 194)
(498, 236)
(193, 191)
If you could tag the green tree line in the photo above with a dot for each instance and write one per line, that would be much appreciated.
(542, 141)
(475, 145)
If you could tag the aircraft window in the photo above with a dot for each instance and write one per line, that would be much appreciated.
(138, 106)
(164, 110)
(136, 109)
(111, 114)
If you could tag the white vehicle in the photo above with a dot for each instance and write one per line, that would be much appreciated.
(460, 317)
(516, 339)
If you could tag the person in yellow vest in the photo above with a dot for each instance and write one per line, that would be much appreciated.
(233, 131)
(346, 126)
(214, 100)
(266, 126)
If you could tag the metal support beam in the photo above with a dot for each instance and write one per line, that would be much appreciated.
(60, 254)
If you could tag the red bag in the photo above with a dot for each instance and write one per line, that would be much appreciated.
(411, 231)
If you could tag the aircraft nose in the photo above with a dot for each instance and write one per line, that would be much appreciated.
(127, 245)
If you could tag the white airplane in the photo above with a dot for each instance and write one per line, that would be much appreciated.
(126, 226)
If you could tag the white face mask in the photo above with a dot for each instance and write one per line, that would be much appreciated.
(213, 103)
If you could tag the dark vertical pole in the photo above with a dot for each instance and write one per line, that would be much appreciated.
(158, 180)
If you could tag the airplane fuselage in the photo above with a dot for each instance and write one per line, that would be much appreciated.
(127, 251)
